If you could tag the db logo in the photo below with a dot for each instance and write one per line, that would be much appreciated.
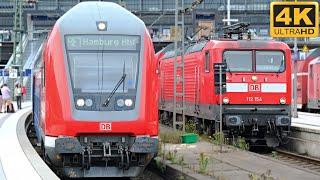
(254, 87)
(105, 126)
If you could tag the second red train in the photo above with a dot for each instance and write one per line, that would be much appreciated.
(257, 97)
(308, 85)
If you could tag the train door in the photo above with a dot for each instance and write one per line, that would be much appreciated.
(207, 75)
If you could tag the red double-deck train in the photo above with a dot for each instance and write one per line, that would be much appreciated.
(257, 100)
(95, 109)
(308, 82)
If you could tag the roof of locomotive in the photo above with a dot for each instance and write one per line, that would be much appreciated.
(83, 18)
(314, 55)
(247, 44)
(226, 44)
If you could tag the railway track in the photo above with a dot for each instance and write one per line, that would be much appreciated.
(299, 161)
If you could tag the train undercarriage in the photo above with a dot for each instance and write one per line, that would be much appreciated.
(101, 156)
(261, 125)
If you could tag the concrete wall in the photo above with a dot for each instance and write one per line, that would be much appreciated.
(304, 141)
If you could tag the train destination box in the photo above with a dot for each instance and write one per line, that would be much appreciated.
(294, 19)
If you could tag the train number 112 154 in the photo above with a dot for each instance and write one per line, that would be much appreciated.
(254, 99)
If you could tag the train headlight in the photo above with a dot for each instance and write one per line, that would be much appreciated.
(233, 120)
(282, 120)
(120, 102)
(80, 102)
(128, 102)
(102, 26)
(254, 78)
(225, 100)
(88, 102)
(282, 100)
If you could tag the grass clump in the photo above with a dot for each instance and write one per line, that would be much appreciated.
(172, 156)
(173, 137)
(181, 161)
(216, 138)
(274, 154)
(160, 165)
(191, 127)
(241, 143)
(203, 163)
(264, 176)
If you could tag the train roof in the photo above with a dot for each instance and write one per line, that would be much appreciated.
(168, 51)
(314, 53)
(83, 19)
(248, 44)
(315, 56)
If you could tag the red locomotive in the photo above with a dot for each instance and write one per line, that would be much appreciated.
(257, 101)
(308, 94)
(95, 109)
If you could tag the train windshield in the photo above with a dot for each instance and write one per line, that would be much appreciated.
(265, 61)
(238, 61)
(270, 61)
(97, 62)
(96, 72)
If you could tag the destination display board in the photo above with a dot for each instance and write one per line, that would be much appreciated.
(102, 42)
(294, 19)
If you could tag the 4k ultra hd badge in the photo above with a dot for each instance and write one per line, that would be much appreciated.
(294, 19)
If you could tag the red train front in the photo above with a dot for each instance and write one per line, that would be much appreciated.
(95, 109)
(257, 101)
(308, 82)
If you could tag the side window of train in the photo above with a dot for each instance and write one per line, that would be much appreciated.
(311, 71)
(207, 62)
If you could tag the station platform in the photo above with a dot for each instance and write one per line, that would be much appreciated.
(307, 121)
(305, 135)
(18, 159)
(231, 164)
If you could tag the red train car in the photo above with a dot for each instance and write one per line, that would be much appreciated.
(307, 82)
(314, 84)
(257, 101)
(94, 106)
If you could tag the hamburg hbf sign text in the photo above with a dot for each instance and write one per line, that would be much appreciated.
(294, 19)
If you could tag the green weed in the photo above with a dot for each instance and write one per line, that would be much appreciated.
(173, 137)
(172, 156)
(241, 143)
(181, 161)
(191, 127)
(216, 138)
(160, 165)
(203, 163)
(274, 154)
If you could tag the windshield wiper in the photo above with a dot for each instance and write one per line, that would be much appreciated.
(123, 77)
(281, 68)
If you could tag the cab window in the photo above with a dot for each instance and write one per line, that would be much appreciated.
(270, 61)
(238, 61)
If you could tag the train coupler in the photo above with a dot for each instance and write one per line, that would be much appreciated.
(86, 158)
(106, 149)
(255, 128)
(127, 164)
(124, 151)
